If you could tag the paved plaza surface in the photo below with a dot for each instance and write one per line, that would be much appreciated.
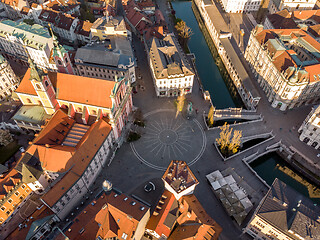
(169, 135)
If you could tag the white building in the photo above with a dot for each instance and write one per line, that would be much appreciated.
(286, 65)
(239, 6)
(310, 129)
(9, 81)
(179, 179)
(291, 5)
(284, 214)
(14, 36)
(171, 72)
(12, 9)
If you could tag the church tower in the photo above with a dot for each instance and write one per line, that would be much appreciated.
(61, 56)
(43, 87)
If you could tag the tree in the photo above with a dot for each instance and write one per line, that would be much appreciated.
(180, 103)
(184, 32)
(224, 139)
(211, 116)
(235, 141)
(5, 137)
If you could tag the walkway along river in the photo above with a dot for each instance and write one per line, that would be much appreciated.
(222, 91)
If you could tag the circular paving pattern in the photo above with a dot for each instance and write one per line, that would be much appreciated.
(169, 137)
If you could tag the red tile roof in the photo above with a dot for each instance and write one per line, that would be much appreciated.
(73, 88)
(157, 220)
(78, 162)
(194, 222)
(108, 216)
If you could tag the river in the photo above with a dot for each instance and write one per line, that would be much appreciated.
(213, 82)
(206, 67)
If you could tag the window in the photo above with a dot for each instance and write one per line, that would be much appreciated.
(124, 236)
(10, 200)
(23, 186)
(16, 193)
(46, 83)
(59, 62)
(38, 86)
(3, 208)
(29, 100)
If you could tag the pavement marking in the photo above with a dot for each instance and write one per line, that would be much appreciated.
(170, 146)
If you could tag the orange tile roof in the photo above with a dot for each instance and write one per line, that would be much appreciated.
(108, 216)
(26, 86)
(156, 221)
(11, 188)
(193, 212)
(79, 89)
(79, 161)
(305, 14)
(55, 129)
(313, 70)
(73, 88)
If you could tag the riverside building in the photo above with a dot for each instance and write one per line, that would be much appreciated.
(310, 129)
(291, 5)
(172, 75)
(286, 65)
(240, 6)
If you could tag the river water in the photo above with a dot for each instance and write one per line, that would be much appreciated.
(220, 94)
(206, 67)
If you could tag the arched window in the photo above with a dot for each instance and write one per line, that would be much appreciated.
(66, 60)
(46, 83)
(38, 86)
(29, 100)
(59, 62)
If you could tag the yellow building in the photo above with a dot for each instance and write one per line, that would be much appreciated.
(13, 194)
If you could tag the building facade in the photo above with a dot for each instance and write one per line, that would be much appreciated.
(109, 59)
(285, 63)
(291, 5)
(82, 151)
(9, 81)
(12, 9)
(310, 129)
(284, 214)
(240, 6)
(105, 26)
(88, 98)
(172, 75)
(14, 36)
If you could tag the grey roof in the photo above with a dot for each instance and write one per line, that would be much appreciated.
(167, 58)
(115, 52)
(286, 209)
(36, 225)
(172, 215)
